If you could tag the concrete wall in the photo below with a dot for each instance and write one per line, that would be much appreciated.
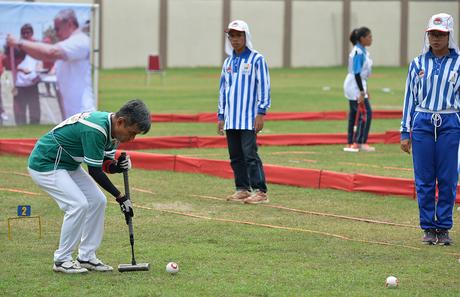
(194, 33)
(316, 33)
(383, 18)
(131, 29)
(266, 21)
(129, 32)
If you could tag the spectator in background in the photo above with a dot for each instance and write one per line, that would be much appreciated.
(430, 125)
(72, 57)
(241, 110)
(355, 88)
(27, 79)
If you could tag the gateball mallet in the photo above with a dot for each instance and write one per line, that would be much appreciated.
(129, 220)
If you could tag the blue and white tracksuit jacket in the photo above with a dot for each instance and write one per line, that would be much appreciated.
(244, 90)
(431, 119)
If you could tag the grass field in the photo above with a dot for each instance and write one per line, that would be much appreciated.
(303, 243)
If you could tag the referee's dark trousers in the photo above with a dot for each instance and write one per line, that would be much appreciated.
(246, 164)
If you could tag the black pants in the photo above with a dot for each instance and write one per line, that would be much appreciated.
(246, 164)
(363, 127)
(27, 98)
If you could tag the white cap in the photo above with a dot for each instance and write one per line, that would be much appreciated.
(242, 26)
(237, 25)
(441, 22)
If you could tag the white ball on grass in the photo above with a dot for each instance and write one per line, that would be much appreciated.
(172, 267)
(391, 282)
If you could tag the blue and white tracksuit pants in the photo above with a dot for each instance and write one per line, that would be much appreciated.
(435, 145)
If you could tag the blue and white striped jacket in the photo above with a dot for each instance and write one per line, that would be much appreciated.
(244, 90)
(432, 84)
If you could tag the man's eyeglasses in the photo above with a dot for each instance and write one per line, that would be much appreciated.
(235, 35)
(438, 34)
(23, 33)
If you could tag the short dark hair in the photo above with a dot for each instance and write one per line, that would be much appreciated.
(67, 15)
(27, 27)
(136, 113)
(356, 34)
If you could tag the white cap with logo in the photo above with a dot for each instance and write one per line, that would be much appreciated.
(440, 22)
(242, 26)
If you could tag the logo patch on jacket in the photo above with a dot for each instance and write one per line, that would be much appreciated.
(247, 68)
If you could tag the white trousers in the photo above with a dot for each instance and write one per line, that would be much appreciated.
(83, 203)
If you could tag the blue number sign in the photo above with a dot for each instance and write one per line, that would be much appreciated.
(24, 210)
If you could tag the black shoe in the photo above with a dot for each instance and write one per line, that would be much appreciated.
(443, 237)
(429, 236)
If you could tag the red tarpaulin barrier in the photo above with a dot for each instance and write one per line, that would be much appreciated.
(17, 146)
(384, 185)
(180, 142)
(336, 181)
(209, 117)
(177, 142)
(301, 177)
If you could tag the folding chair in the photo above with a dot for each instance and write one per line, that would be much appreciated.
(154, 66)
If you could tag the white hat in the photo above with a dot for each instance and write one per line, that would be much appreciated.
(237, 25)
(242, 26)
(440, 22)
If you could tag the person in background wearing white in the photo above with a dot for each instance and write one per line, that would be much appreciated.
(356, 90)
(431, 126)
(72, 57)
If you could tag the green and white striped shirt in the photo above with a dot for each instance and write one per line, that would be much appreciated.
(84, 137)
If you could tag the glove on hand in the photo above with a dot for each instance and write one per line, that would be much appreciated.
(126, 207)
(123, 163)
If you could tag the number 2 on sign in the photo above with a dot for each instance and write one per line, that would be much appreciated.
(24, 210)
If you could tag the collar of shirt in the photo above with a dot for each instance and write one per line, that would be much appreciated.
(452, 54)
(244, 54)
(236, 59)
(360, 46)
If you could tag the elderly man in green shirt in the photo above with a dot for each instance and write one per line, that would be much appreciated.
(55, 165)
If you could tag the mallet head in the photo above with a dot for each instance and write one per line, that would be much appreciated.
(136, 267)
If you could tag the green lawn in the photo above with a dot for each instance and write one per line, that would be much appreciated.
(305, 242)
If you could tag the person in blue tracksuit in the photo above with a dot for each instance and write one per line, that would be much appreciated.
(356, 90)
(431, 126)
(243, 101)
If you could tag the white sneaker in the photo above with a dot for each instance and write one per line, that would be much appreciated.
(95, 265)
(366, 148)
(351, 148)
(69, 267)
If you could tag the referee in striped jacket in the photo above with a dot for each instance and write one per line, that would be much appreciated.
(243, 101)
(431, 113)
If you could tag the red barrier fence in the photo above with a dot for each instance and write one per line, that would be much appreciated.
(300, 177)
(177, 142)
(209, 117)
